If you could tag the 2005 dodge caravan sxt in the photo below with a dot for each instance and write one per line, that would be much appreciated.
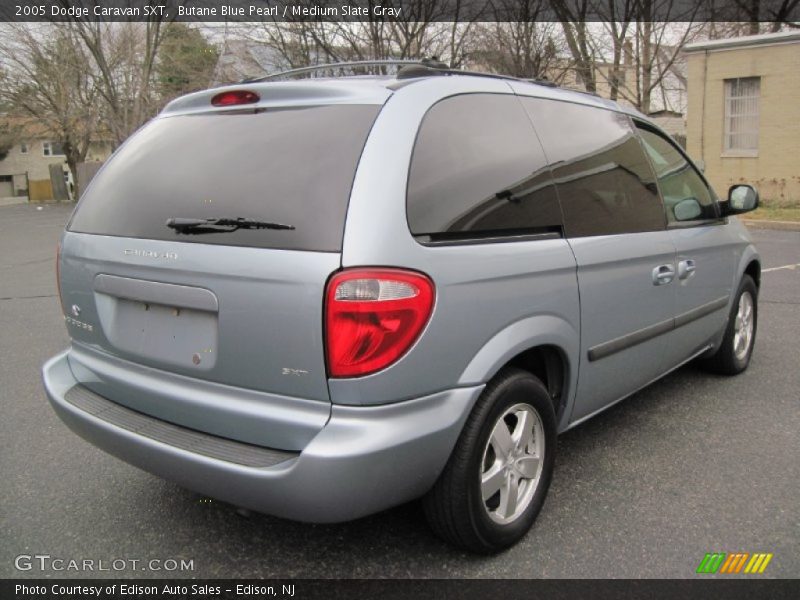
(319, 298)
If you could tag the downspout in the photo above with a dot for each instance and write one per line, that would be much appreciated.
(703, 110)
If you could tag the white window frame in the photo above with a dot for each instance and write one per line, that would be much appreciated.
(741, 118)
(47, 149)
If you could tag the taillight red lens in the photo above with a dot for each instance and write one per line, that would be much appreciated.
(372, 317)
(234, 98)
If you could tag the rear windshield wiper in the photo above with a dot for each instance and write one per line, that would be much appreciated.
(221, 225)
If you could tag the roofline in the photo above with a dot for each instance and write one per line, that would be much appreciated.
(300, 92)
(377, 90)
(747, 41)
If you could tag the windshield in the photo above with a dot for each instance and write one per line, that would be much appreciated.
(291, 165)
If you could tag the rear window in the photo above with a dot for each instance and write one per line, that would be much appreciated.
(293, 166)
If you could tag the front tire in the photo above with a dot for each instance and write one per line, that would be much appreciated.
(733, 355)
(497, 477)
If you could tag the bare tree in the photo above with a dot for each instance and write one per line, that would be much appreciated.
(48, 79)
(755, 12)
(79, 78)
(577, 33)
(419, 32)
(617, 16)
(749, 17)
(634, 49)
(786, 13)
(523, 47)
(657, 45)
(124, 61)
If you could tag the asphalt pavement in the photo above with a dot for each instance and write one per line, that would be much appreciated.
(693, 464)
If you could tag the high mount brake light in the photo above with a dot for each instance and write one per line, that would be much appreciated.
(235, 98)
(372, 318)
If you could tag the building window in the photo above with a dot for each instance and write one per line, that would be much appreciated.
(23, 147)
(741, 114)
(52, 149)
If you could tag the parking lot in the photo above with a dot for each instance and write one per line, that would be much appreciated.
(696, 463)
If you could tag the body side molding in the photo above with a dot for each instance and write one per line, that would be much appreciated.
(647, 333)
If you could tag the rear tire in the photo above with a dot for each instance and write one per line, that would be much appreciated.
(496, 479)
(733, 355)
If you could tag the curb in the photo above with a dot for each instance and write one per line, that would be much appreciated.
(13, 201)
(779, 225)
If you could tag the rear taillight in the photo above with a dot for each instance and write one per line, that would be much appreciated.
(372, 317)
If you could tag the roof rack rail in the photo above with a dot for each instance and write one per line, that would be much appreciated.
(585, 92)
(428, 63)
(482, 74)
(544, 82)
(408, 69)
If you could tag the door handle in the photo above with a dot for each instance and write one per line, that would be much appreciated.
(686, 268)
(663, 274)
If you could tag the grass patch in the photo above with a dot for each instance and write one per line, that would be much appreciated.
(775, 213)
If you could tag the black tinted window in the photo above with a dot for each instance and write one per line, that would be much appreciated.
(604, 180)
(686, 196)
(477, 167)
(292, 166)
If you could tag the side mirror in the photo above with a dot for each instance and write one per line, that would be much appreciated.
(741, 199)
(687, 210)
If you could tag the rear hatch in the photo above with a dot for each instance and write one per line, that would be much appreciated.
(238, 305)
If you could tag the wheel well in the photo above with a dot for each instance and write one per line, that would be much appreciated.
(754, 270)
(549, 365)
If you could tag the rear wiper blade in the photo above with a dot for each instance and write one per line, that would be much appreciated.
(221, 225)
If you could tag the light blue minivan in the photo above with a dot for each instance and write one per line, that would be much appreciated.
(322, 297)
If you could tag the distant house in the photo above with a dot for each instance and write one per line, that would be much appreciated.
(25, 170)
(743, 117)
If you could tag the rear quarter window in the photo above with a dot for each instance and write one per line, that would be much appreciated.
(478, 170)
(293, 166)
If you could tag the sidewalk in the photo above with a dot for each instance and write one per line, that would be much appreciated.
(780, 225)
(13, 200)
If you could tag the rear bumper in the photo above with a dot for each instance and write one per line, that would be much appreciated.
(364, 460)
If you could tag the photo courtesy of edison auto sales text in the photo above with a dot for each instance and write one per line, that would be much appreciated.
(139, 590)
